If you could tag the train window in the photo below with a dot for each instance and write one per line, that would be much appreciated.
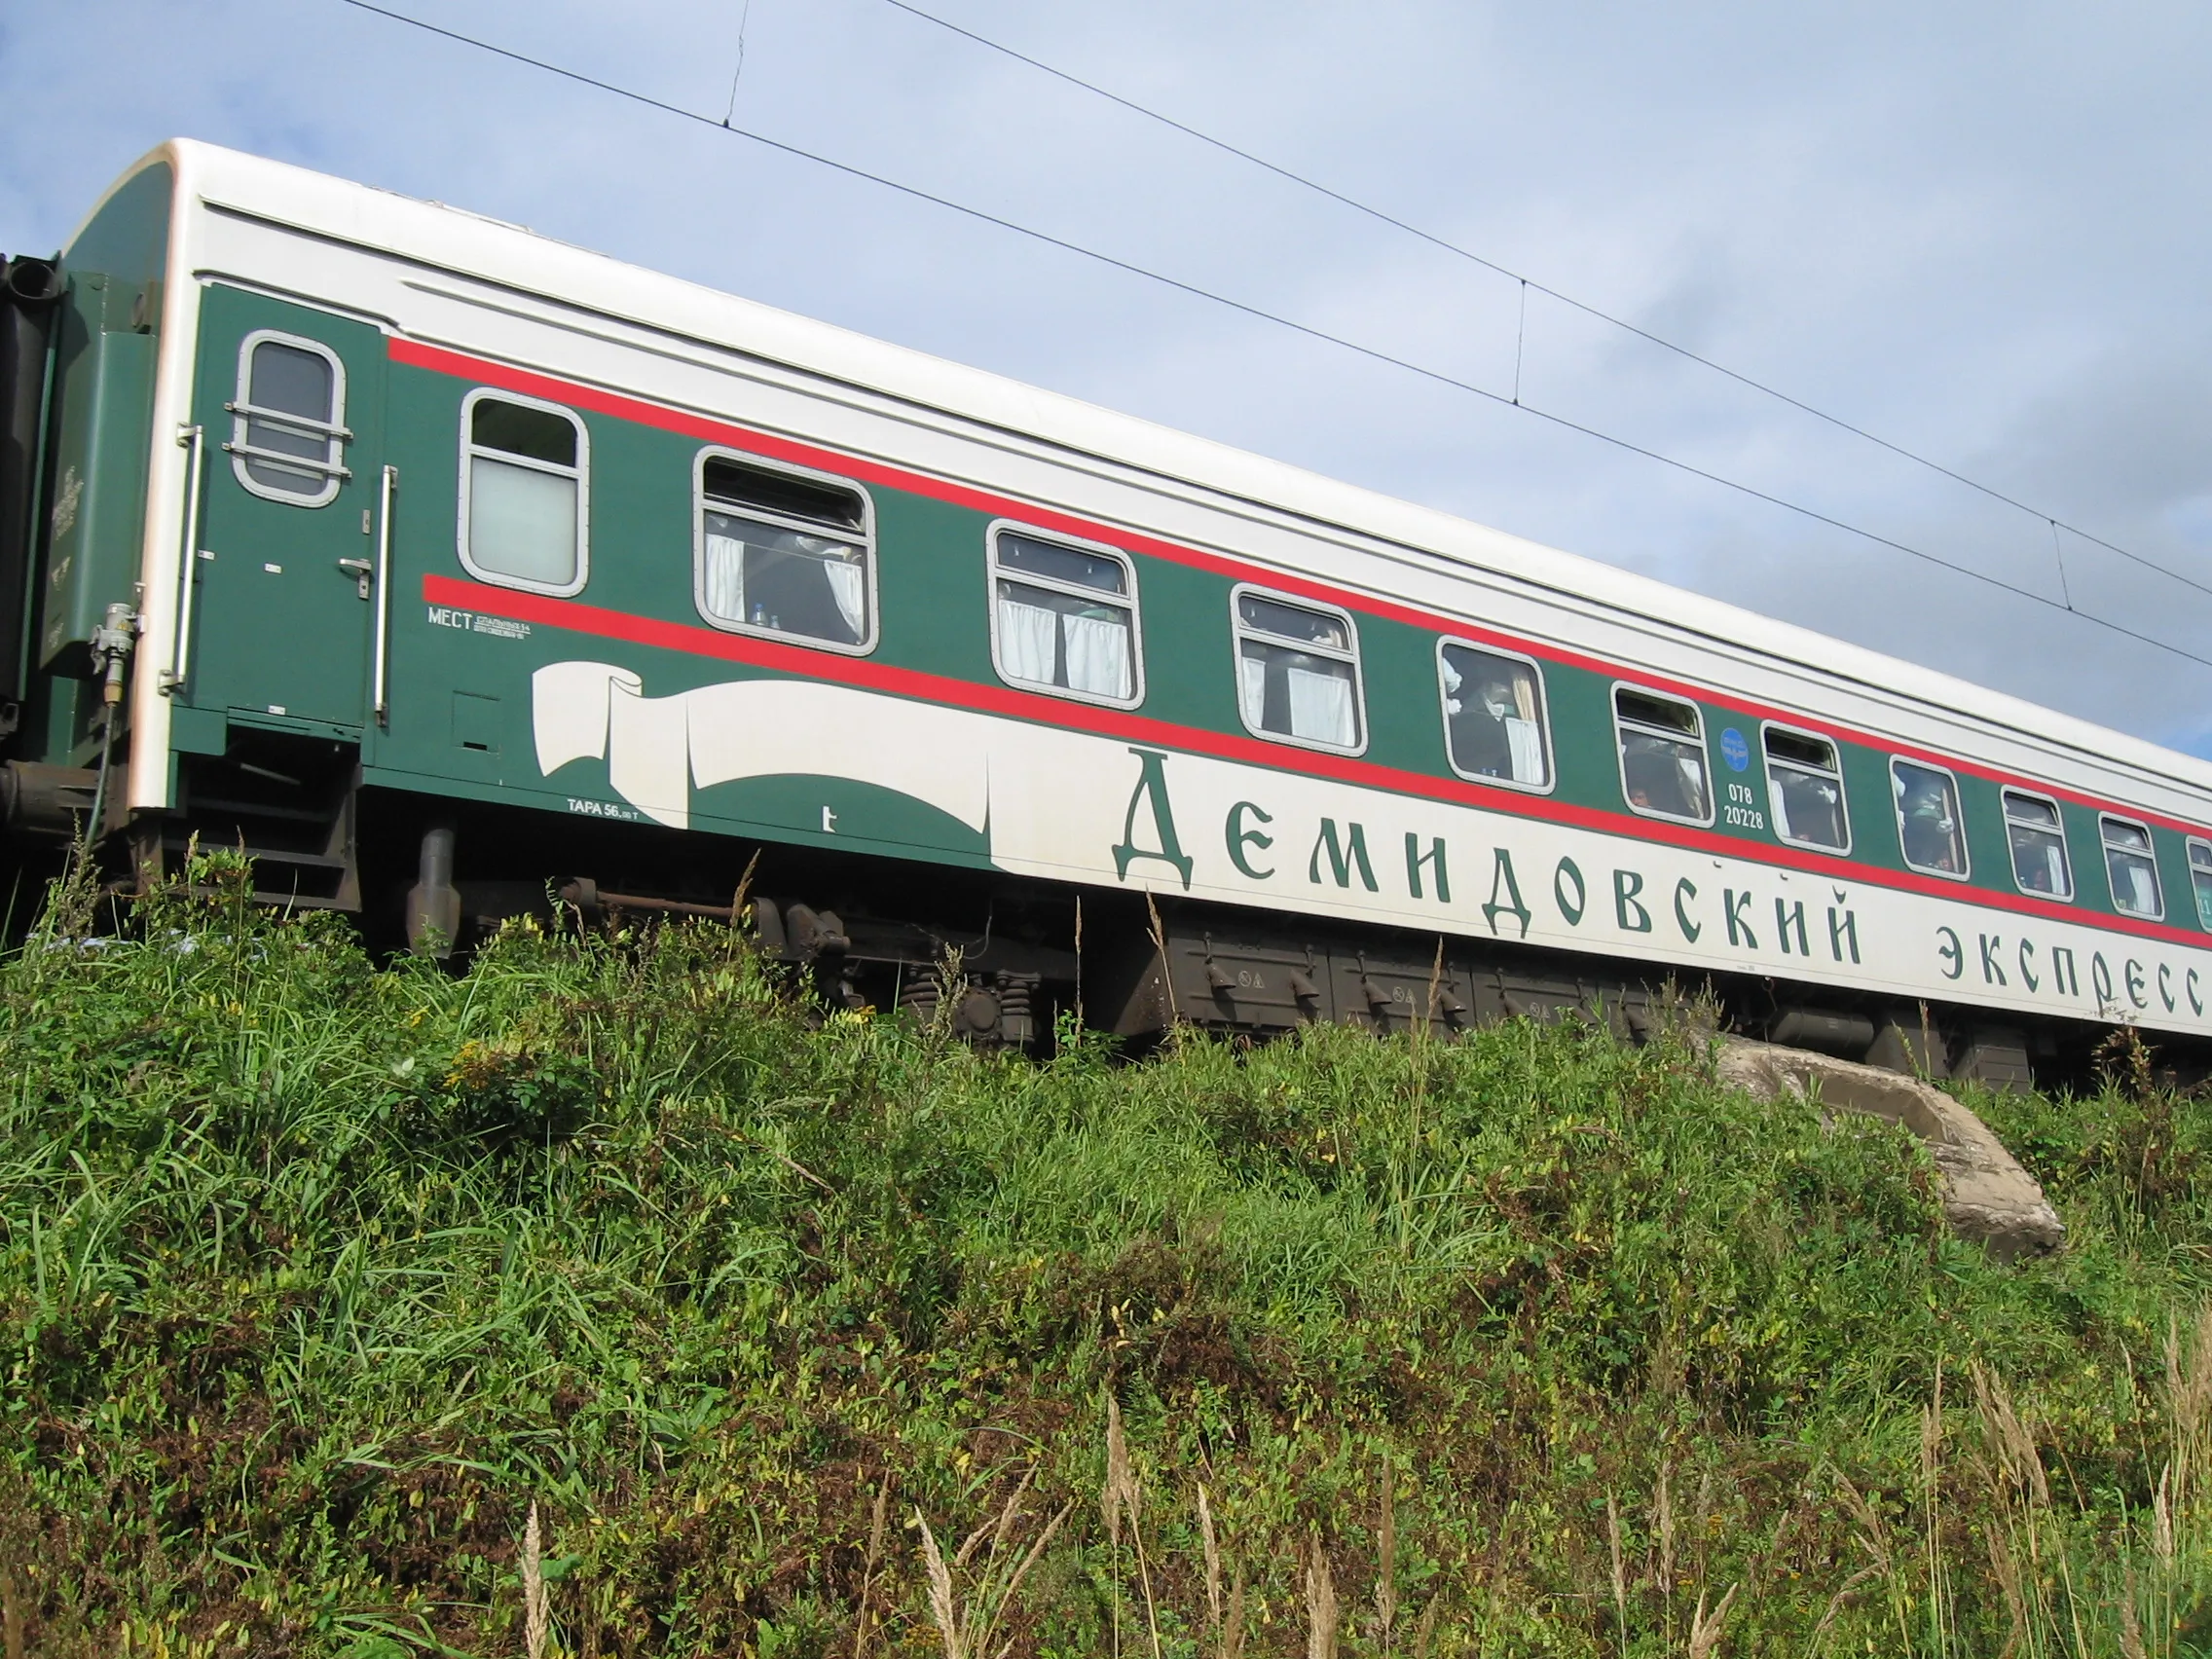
(2039, 844)
(2134, 867)
(1930, 830)
(1493, 715)
(785, 552)
(1064, 618)
(525, 470)
(1805, 786)
(1663, 766)
(2201, 878)
(288, 421)
(1297, 671)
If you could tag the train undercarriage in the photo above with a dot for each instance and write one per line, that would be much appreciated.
(437, 874)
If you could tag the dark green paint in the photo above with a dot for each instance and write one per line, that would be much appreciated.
(289, 642)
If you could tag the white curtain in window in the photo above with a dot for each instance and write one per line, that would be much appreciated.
(1026, 634)
(1098, 655)
(1527, 750)
(725, 578)
(522, 522)
(1693, 783)
(2054, 861)
(1779, 800)
(1252, 691)
(1320, 708)
(2140, 898)
(848, 586)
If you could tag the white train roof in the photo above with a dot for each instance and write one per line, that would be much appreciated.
(469, 244)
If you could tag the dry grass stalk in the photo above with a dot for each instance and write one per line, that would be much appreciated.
(1705, 1633)
(1320, 1604)
(2163, 1518)
(2007, 1571)
(1930, 1504)
(2009, 1440)
(1620, 1571)
(968, 1633)
(1118, 1480)
(1663, 1523)
(1021, 1570)
(942, 1612)
(1873, 1537)
(2130, 1627)
(535, 1619)
(1232, 1626)
(1007, 1516)
(1212, 1547)
(1386, 1581)
(869, 1566)
(2188, 1398)
(1425, 1632)
(1837, 1603)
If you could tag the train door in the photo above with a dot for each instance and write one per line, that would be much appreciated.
(283, 584)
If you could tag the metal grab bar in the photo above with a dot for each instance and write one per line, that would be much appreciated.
(296, 462)
(180, 660)
(284, 418)
(381, 664)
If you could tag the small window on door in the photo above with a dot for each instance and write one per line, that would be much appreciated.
(1297, 672)
(1930, 830)
(1493, 715)
(1805, 786)
(288, 421)
(525, 481)
(1064, 618)
(2037, 837)
(2134, 867)
(785, 553)
(2201, 878)
(1662, 745)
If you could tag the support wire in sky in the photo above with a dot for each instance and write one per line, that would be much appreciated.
(1304, 182)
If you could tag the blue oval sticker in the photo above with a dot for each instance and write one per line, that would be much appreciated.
(1734, 749)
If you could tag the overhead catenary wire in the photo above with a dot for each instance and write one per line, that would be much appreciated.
(1246, 308)
(1456, 250)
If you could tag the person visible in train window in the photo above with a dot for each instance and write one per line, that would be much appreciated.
(1812, 808)
(1654, 778)
(1478, 740)
(1931, 831)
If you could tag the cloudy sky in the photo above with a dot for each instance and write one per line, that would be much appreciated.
(1980, 231)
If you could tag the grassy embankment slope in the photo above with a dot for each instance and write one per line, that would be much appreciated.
(313, 1279)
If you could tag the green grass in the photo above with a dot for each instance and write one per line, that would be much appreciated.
(314, 1278)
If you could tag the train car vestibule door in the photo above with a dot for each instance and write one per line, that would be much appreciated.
(283, 582)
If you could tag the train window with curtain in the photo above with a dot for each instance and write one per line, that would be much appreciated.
(1663, 766)
(525, 471)
(2201, 878)
(2039, 845)
(1297, 672)
(288, 421)
(1806, 787)
(1493, 715)
(2134, 867)
(1930, 830)
(785, 552)
(1064, 618)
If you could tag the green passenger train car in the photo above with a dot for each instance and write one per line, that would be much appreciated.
(456, 573)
